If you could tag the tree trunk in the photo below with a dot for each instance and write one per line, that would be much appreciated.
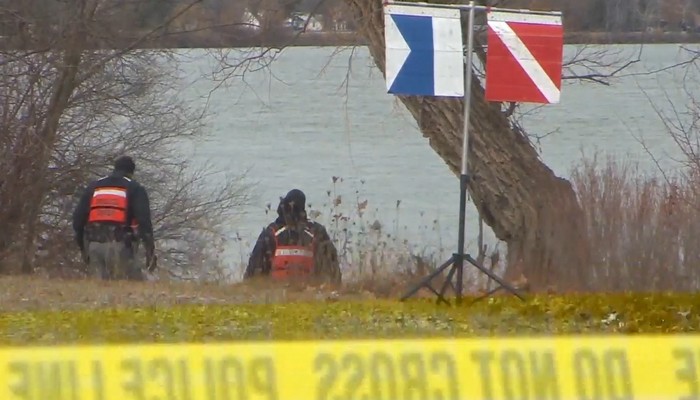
(535, 212)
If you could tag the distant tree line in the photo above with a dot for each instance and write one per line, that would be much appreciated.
(217, 17)
(580, 15)
(619, 15)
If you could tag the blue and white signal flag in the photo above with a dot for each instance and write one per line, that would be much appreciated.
(424, 55)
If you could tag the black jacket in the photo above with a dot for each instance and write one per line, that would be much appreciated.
(325, 252)
(138, 208)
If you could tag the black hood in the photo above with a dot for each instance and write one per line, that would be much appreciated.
(292, 207)
(125, 165)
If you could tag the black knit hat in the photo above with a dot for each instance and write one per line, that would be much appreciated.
(125, 164)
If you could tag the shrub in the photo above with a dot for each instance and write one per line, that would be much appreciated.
(643, 229)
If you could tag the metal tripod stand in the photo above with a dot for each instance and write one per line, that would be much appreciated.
(458, 259)
(456, 263)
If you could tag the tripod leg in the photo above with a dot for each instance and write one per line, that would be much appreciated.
(426, 281)
(494, 277)
(432, 289)
(487, 294)
(448, 282)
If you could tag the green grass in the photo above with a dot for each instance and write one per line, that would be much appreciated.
(502, 316)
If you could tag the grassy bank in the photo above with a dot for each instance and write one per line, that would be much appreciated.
(156, 312)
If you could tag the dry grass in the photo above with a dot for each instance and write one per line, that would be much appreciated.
(644, 229)
(30, 293)
(38, 293)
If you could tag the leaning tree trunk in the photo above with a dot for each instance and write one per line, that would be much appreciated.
(535, 212)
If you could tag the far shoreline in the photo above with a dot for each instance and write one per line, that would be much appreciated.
(349, 39)
(228, 40)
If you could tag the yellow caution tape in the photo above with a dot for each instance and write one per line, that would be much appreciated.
(633, 367)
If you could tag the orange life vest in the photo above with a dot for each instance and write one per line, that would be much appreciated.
(292, 260)
(109, 204)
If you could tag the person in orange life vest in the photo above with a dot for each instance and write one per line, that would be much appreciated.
(104, 220)
(293, 246)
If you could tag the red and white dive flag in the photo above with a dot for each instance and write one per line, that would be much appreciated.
(524, 57)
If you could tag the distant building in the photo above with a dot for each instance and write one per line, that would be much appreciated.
(337, 18)
(298, 22)
(340, 25)
(250, 21)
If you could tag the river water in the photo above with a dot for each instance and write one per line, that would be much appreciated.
(306, 120)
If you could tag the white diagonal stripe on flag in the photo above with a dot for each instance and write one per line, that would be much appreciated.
(526, 60)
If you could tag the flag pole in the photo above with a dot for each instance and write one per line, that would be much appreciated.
(464, 177)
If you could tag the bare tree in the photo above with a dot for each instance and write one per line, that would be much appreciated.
(75, 95)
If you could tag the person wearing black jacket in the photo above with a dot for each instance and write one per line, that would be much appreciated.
(111, 218)
(293, 246)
